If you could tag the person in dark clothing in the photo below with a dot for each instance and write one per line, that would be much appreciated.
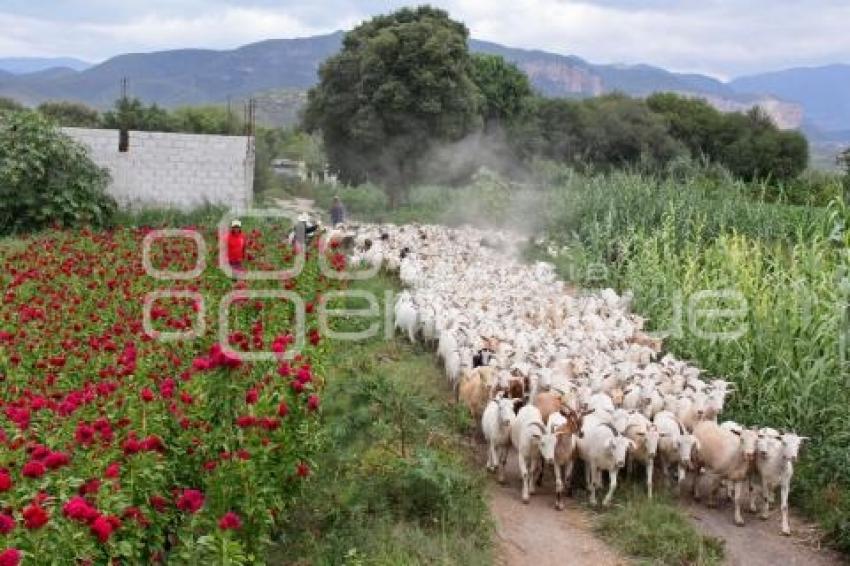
(337, 212)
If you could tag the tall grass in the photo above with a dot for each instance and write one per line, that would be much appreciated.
(668, 242)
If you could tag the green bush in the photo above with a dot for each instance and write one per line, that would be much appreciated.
(47, 178)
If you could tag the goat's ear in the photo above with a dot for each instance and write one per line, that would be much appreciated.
(735, 432)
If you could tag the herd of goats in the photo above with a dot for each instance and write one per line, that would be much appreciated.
(562, 376)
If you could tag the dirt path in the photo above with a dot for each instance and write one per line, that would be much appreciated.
(759, 543)
(537, 535)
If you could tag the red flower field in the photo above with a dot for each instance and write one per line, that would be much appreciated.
(116, 446)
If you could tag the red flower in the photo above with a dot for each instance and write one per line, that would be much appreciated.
(303, 470)
(315, 337)
(251, 396)
(5, 480)
(35, 516)
(230, 521)
(7, 523)
(304, 375)
(10, 557)
(153, 443)
(103, 527)
(190, 500)
(313, 402)
(91, 487)
(282, 409)
(132, 446)
(113, 470)
(147, 395)
(158, 502)
(78, 509)
(56, 460)
(84, 434)
(33, 469)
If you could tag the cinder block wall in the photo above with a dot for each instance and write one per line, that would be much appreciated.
(174, 170)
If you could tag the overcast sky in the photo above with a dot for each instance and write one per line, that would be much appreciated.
(723, 38)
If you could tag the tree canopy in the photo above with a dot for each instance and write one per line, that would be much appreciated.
(400, 86)
(505, 89)
(47, 178)
(74, 114)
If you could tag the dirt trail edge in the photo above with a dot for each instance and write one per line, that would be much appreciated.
(536, 534)
(759, 543)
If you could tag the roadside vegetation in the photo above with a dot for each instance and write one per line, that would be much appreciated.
(395, 481)
(655, 532)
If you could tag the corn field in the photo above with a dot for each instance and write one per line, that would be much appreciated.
(777, 279)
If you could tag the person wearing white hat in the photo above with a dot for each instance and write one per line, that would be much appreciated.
(303, 229)
(236, 244)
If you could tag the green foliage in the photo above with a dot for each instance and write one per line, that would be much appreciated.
(749, 145)
(361, 201)
(9, 105)
(378, 505)
(655, 531)
(844, 162)
(73, 114)
(506, 89)
(132, 114)
(399, 86)
(611, 131)
(46, 178)
(669, 240)
(168, 217)
(206, 120)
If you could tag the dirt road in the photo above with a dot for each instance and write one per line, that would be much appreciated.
(536, 534)
(759, 543)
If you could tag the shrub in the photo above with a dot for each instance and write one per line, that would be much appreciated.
(47, 178)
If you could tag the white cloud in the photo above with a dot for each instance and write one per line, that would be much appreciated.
(720, 37)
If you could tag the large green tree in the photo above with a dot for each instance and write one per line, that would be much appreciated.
(399, 87)
(505, 89)
(47, 178)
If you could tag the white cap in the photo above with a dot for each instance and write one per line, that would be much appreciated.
(303, 217)
(235, 223)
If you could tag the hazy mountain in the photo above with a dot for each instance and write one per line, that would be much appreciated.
(281, 67)
(24, 65)
(823, 91)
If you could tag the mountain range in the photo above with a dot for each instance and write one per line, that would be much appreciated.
(23, 65)
(280, 70)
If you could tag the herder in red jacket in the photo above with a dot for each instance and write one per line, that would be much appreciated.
(236, 245)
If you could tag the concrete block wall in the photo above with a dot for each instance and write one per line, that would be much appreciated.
(174, 170)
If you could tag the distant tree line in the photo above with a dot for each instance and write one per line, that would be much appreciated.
(405, 84)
